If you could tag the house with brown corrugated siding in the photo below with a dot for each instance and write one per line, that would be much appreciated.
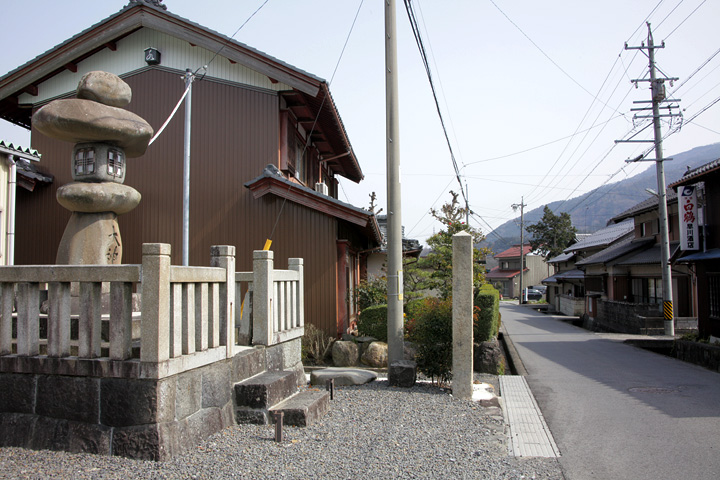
(267, 148)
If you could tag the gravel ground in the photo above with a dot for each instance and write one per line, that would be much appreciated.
(371, 431)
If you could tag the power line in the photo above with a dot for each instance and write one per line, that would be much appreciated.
(423, 55)
(680, 24)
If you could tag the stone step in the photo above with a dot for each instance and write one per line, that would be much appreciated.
(266, 389)
(304, 408)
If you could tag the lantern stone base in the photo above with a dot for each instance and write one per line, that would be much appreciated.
(90, 239)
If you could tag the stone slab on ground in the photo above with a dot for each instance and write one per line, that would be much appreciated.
(342, 376)
(304, 408)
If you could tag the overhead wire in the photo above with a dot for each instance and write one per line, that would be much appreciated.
(680, 24)
(423, 54)
(317, 116)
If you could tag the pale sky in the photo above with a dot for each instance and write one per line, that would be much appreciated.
(533, 98)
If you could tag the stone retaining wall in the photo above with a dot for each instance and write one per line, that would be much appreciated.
(702, 354)
(140, 418)
(623, 316)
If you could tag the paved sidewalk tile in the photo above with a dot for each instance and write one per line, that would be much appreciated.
(529, 434)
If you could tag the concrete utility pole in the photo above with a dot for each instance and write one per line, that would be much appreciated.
(188, 77)
(657, 88)
(394, 218)
(521, 206)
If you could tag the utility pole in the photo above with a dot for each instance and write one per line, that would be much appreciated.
(188, 77)
(521, 206)
(394, 228)
(657, 88)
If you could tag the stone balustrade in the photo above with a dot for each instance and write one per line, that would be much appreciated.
(188, 317)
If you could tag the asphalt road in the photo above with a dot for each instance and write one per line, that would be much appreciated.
(616, 411)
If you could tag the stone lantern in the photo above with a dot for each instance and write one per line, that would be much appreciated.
(105, 135)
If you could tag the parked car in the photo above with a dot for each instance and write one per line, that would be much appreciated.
(533, 294)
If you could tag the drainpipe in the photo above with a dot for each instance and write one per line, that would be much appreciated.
(12, 184)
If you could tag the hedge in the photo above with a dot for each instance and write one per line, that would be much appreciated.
(373, 322)
(487, 314)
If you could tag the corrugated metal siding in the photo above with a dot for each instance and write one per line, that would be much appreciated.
(234, 135)
(175, 54)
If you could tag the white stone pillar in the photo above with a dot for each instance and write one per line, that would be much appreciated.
(462, 310)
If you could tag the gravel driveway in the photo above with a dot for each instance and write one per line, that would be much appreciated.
(372, 431)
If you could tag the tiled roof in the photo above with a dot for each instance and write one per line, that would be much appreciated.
(496, 273)
(514, 252)
(695, 174)
(574, 274)
(650, 256)
(645, 206)
(621, 248)
(604, 236)
(563, 257)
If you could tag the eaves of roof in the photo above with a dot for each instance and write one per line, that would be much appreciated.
(22, 152)
(712, 254)
(697, 174)
(649, 256)
(117, 26)
(615, 251)
(563, 257)
(271, 181)
(645, 206)
(574, 274)
(325, 115)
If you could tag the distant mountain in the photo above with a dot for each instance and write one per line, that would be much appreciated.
(592, 211)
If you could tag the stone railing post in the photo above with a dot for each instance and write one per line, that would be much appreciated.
(223, 256)
(462, 312)
(296, 264)
(262, 297)
(155, 323)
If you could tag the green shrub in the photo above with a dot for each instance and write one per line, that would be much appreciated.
(371, 292)
(373, 322)
(315, 345)
(431, 331)
(486, 315)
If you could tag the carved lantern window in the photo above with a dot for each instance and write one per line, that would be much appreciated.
(84, 161)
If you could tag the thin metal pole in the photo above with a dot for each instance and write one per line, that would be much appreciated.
(657, 96)
(186, 169)
(394, 230)
(522, 246)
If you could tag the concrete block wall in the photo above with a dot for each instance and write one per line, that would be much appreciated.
(572, 306)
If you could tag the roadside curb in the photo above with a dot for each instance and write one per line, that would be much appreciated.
(513, 358)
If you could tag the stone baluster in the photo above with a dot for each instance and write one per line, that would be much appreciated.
(28, 319)
(58, 322)
(120, 320)
(155, 324)
(223, 256)
(90, 321)
(7, 299)
(262, 297)
(296, 265)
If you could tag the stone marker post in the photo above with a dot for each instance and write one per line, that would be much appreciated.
(462, 310)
